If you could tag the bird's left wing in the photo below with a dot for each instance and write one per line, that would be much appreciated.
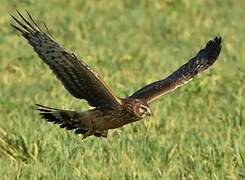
(75, 75)
(202, 61)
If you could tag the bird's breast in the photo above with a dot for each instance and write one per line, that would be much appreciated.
(111, 119)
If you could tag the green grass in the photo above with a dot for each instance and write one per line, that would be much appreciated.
(197, 132)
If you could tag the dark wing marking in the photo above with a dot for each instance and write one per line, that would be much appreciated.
(202, 61)
(75, 75)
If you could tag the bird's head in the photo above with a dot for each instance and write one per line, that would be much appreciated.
(140, 108)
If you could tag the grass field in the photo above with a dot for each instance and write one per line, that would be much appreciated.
(197, 132)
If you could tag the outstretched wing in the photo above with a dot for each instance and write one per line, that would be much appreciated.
(75, 75)
(202, 61)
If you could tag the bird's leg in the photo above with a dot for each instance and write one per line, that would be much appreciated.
(90, 130)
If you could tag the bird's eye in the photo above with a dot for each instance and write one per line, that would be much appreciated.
(143, 108)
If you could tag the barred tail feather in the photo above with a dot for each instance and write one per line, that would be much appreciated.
(66, 119)
(70, 120)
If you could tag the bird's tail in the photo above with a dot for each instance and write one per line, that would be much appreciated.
(70, 120)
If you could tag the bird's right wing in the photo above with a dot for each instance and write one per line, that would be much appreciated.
(202, 61)
(76, 76)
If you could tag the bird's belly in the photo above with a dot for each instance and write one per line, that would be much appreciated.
(111, 122)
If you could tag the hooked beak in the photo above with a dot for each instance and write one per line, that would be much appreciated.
(149, 113)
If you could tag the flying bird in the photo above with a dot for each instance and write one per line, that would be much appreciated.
(109, 111)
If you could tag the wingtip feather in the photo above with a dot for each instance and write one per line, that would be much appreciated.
(213, 48)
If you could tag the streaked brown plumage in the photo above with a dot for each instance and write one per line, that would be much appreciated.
(109, 111)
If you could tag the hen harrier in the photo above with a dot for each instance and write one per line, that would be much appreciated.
(109, 111)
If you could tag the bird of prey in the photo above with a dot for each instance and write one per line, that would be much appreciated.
(109, 111)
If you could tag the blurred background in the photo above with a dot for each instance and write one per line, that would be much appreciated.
(197, 132)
